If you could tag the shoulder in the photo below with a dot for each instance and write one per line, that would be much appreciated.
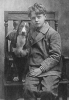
(52, 33)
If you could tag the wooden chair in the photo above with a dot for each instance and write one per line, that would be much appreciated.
(14, 90)
(64, 81)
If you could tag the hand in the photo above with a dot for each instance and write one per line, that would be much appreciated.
(35, 72)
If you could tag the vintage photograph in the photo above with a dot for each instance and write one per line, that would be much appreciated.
(34, 50)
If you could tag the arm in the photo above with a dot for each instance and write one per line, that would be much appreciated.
(54, 52)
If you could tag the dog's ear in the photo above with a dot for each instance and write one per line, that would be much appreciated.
(15, 24)
(27, 26)
(11, 35)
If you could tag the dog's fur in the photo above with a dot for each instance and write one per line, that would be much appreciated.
(19, 40)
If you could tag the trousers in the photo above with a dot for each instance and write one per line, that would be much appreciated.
(44, 87)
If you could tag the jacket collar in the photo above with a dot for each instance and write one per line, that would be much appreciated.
(41, 33)
(45, 28)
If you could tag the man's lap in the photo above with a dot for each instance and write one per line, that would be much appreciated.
(46, 84)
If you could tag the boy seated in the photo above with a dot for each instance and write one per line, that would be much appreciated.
(44, 57)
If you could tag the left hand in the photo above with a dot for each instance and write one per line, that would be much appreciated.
(35, 72)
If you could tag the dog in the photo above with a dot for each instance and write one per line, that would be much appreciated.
(19, 49)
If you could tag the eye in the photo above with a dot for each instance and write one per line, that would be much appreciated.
(38, 17)
(33, 18)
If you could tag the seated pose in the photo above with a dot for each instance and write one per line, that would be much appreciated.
(19, 38)
(44, 57)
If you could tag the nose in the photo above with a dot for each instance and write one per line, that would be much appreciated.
(23, 33)
(36, 19)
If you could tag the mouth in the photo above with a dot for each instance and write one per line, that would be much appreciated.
(23, 33)
(37, 23)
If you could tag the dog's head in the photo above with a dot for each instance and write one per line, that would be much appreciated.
(23, 28)
(23, 31)
(22, 38)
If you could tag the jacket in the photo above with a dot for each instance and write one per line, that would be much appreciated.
(46, 50)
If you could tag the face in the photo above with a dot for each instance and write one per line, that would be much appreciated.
(38, 20)
(23, 34)
(23, 28)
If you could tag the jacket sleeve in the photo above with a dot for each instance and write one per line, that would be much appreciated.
(54, 52)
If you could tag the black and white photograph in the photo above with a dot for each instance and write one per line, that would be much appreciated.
(34, 49)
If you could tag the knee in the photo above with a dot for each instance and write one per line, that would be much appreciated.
(51, 90)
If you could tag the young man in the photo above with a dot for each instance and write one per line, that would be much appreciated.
(44, 58)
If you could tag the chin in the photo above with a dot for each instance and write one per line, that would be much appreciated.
(38, 25)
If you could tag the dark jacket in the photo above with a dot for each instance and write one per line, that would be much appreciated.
(46, 50)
